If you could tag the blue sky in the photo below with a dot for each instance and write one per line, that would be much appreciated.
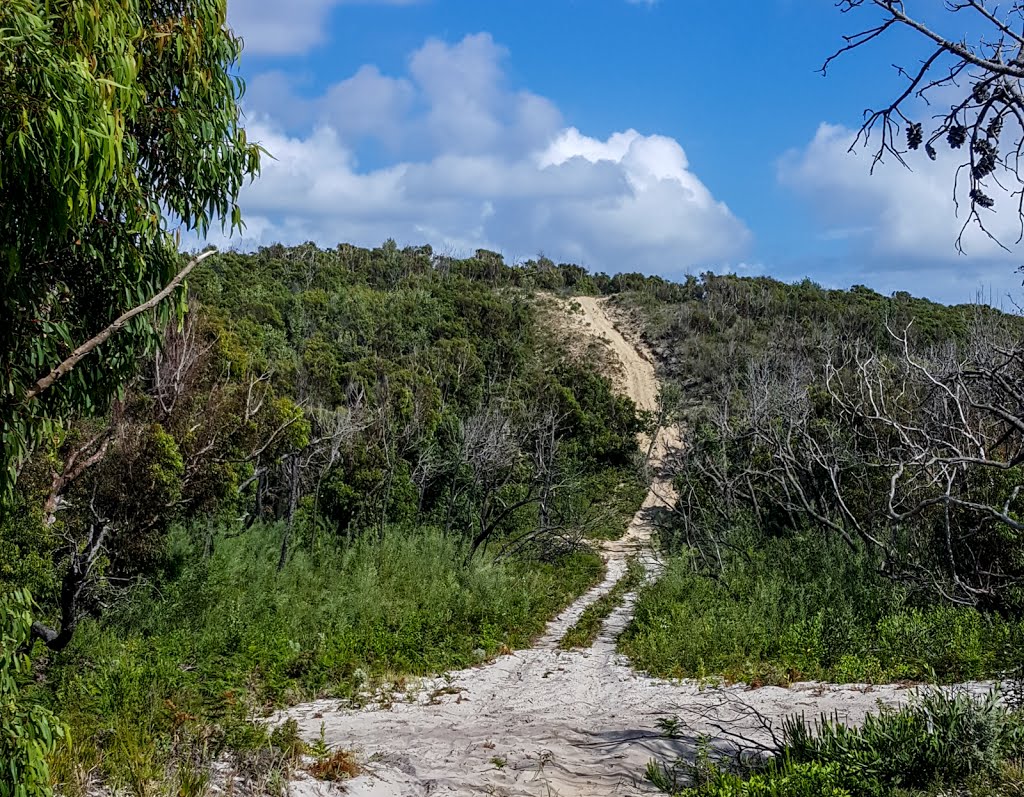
(666, 137)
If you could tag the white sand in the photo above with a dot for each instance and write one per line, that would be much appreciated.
(550, 722)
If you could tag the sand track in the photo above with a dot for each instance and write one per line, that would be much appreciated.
(548, 722)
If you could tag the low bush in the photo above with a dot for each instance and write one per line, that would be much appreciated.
(803, 607)
(941, 742)
(783, 779)
(939, 737)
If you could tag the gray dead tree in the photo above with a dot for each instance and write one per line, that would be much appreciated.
(913, 456)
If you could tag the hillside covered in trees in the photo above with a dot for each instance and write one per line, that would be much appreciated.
(350, 466)
(324, 521)
(849, 489)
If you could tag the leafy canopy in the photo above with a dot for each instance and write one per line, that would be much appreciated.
(115, 116)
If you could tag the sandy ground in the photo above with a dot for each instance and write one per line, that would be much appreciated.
(549, 722)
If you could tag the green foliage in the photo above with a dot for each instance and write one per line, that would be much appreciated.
(585, 630)
(783, 385)
(779, 779)
(29, 732)
(939, 737)
(604, 425)
(940, 742)
(285, 737)
(26, 550)
(758, 591)
(804, 607)
(229, 635)
(111, 115)
(783, 482)
(420, 345)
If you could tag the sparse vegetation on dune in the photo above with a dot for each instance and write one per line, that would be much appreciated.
(585, 630)
(790, 567)
(352, 502)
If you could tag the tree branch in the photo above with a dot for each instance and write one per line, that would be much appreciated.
(78, 354)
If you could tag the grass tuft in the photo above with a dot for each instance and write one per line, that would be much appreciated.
(339, 765)
(586, 629)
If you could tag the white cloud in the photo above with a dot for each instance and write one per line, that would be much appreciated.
(288, 27)
(898, 227)
(369, 104)
(896, 211)
(474, 163)
(454, 98)
(468, 106)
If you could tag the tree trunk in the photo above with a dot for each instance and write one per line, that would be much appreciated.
(293, 502)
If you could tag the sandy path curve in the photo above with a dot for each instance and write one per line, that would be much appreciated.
(544, 721)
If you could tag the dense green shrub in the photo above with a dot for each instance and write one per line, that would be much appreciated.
(941, 742)
(806, 407)
(710, 327)
(779, 779)
(802, 606)
(939, 737)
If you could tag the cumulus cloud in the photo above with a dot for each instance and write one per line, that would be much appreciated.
(272, 27)
(895, 211)
(453, 99)
(898, 219)
(475, 163)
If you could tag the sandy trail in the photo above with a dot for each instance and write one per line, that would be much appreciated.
(549, 722)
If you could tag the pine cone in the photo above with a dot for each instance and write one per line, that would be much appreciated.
(980, 198)
(915, 135)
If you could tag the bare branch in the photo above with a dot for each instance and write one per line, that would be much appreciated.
(46, 382)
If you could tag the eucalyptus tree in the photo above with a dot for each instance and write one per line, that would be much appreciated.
(119, 129)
